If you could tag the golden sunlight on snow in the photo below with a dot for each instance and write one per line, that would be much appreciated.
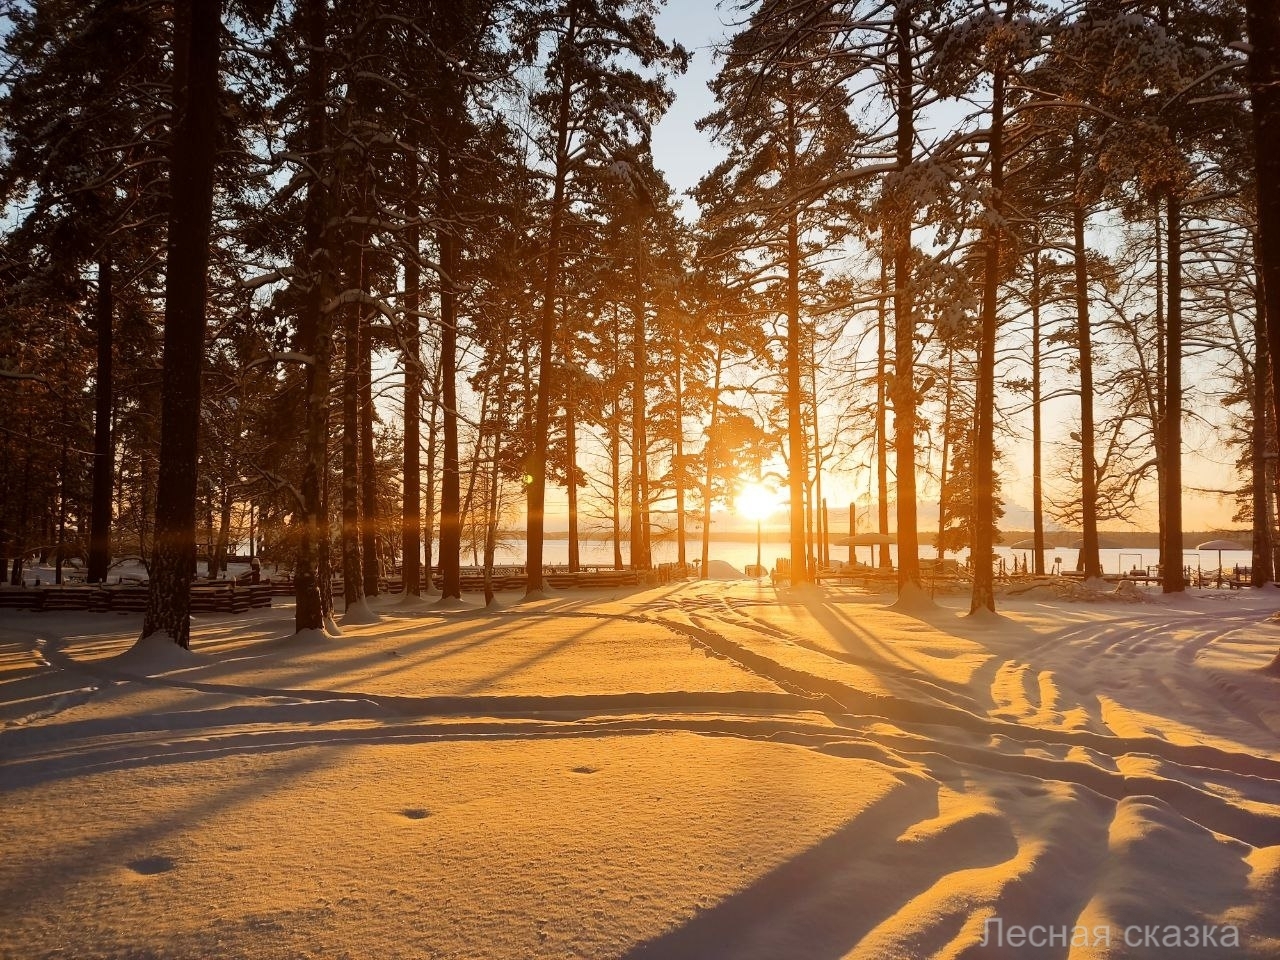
(690, 772)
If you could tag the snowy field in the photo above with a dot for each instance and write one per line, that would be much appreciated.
(703, 770)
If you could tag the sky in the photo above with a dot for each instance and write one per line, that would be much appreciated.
(680, 150)
(685, 154)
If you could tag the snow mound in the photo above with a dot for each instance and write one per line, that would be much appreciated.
(723, 570)
(408, 602)
(986, 617)
(152, 654)
(360, 612)
(913, 599)
(1128, 590)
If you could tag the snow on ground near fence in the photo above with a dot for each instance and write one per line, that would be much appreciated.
(701, 770)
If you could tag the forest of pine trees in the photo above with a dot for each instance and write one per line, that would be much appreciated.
(353, 284)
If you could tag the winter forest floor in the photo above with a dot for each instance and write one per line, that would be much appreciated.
(700, 770)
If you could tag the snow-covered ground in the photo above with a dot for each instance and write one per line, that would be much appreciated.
(700, 770)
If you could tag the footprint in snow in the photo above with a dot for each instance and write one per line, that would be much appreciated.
(415, 813)
(585, 769)
(149, 866)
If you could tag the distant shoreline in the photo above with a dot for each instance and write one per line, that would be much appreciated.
(1058, 539)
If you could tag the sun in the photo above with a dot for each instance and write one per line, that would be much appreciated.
(755, 502)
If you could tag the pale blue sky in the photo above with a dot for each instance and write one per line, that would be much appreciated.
(679, 150)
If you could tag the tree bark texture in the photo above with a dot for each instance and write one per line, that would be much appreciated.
(450, 514)
(1171, 579)
(411, 513)
(1091, 564)
(186, 291)
(1263, 21)
(640, 559)
(982, 467)
(352, 567)
(903, 391)
(882, 425)
(103, 448)
(370, 567)
(537, 456)
(797, 462)
(313, 598)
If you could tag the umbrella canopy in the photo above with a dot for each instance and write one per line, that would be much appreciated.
(1219, 546)
(1223, 545)
(1031, 545)
(869, 539)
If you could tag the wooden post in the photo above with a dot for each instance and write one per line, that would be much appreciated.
(853, 531)
(824, 550)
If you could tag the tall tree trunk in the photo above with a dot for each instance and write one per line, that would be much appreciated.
(24, 501)
(1037, 430)
(411, 512)
(537, 493)
(1262, 571)
(477, 478)
(103, 448)
(495, 488)
(210, 560)
(1162, 401)
(450, 516)
(571, 469)
(709, 454)
(433, 436)
(1264, 87)
(882, 384)
(944, 460)
(982, 466)
(370, 567)
(313, 597)
(191, 215)
(681, 533)
(640, 559)
(223, 543)
(819, 548)
(352, 568)
(903, 390)
(615, 482)
(797, 461)
(1088, 463)
(615, 450)
(1171, 536)
(146, 494)
(1263, 20)
(62, 504)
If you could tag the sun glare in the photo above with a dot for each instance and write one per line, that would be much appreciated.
(756, 502)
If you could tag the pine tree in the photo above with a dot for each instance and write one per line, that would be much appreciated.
(1264, 92)
(787, 129)
(593, 105)
(84, 155)
(194, 149)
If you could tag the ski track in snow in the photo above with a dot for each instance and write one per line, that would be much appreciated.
(1066, 765)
